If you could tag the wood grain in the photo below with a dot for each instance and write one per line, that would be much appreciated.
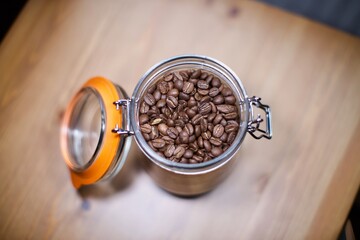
(299, 185)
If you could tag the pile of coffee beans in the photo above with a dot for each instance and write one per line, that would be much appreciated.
(189, 116)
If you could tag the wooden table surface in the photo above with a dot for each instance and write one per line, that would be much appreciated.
(299, 185)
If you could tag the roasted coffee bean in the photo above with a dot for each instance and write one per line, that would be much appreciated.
(210, 127)
(225, 148)
(169, 77)
(170, 85)
(146, 136)
(193, 146)
(156, 121)
(188, 153)
(184, 96)
(163, 87)
(173, 92)
(231, 116)
(162, 127)
(206, 135)
(207, 145)
(152, 113)
(170, 123)
(143, 118)
(205, 99)
(158, 143)
(200, 153)
(223, 137)
(231, 128)
(171, 102)
(196, 74)
(169, 151)
(209, 78)
(193, 81)
(151, 89)
(179, 123)
(213, 107)
(203, 124)
(149, 99)
(151, 145)
(174, 115)
(213, 92)
(218, 130)
(145, 128)
(184, 137)
(226, 108)
(191, 113)
(198, 158)
(183, 116)
(197, 130)
(211, 117)
(196, 119)
(177, 75)
(179, 151)
(157, 95)
(166, 111)
(230, 99)
(203, 76)
(218, 119)
(203, 92)
(198, 96)
(202, 84)
(177, 141)
(192, 102)
(219, 99)
(216, 151)
(226, 92)
(172, 132)
(184, 75)
(192, 161)
(178, 128)
(215, 82)
(223, 122)
(231, 137)
(161, 103)
(188, 87)
(154, 132)
(192, 138)
(189, 128)
(184, 160)
(204, 108)
(168, 140)
(144, 107)
(179, 84)
(215, 141)
(200, 142)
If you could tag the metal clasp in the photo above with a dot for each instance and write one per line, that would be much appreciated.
(255, 122)
(124, 103)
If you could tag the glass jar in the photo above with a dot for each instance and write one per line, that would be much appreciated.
(101, 119)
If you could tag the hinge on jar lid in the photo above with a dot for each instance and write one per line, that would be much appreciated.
(254, 123)
(124, 103)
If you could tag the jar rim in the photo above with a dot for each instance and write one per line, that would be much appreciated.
(200, 60)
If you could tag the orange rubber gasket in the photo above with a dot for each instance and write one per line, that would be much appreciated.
(110, 142)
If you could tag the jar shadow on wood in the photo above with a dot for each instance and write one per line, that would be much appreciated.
(118, 183)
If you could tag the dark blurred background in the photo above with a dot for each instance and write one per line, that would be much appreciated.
(341, 14)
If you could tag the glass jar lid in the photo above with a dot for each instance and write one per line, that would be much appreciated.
(90, 148)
